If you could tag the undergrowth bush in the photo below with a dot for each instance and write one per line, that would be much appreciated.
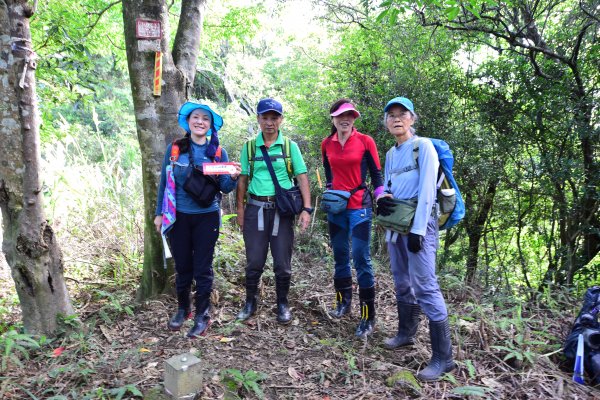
(93, 196)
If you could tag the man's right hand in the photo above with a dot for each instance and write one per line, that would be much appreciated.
(240, 218)
(385, 206)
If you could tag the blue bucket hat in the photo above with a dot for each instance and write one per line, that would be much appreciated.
(187, 108)
(403, 101)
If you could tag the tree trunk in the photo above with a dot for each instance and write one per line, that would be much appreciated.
(29, 243)
(156, 116)
(475, 229)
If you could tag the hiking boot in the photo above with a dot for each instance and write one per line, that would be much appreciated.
(183, 311)
(408, 322)
(251, 300)
(178, 319)
(441, 352)
(343, 297)
(366, 325)
(284, 316)
(202, 318)
(282, 288)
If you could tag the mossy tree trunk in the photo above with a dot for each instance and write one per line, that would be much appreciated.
(156, 116)
(29, 243)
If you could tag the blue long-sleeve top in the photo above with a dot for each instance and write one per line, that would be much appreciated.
(181, 167)
(404, 180)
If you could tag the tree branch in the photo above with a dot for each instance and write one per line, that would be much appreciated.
(577, 46)
(99, 15)
(588, 13)
(536, 67)
(187, 40)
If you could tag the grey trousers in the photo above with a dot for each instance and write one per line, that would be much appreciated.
(258, 243)
(414, 273)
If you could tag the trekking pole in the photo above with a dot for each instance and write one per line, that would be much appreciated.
(312, 223)
(578, 368)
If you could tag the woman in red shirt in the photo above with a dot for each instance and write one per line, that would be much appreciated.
(348, 156)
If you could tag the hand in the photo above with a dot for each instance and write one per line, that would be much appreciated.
(415, 242)
(240, 218)
(385, 205)
(238, 171)
(158, 222)
(303, 220)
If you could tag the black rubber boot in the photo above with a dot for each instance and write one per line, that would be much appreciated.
(367, 312)
(183, 311)
(408, 322)
(282, 288)
(441, 352)
(251, 299)
(343, 297)
(202, 318)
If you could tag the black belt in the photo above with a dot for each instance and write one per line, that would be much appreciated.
(262, 198)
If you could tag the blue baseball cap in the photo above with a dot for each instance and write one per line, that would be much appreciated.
(268, 104)
(403, 101)
(187, 108)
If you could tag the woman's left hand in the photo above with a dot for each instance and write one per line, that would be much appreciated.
(238, 171)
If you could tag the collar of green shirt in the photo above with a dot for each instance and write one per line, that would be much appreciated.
(260, 141)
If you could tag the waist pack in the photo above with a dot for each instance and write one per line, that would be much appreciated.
(335, 201)
(288, 202)
(401, 219)
(202, 188)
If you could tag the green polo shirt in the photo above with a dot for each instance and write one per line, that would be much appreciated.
(261, 183)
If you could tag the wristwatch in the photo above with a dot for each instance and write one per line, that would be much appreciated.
(308, 210)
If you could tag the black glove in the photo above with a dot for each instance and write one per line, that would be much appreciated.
(415, 242)
(385, 206)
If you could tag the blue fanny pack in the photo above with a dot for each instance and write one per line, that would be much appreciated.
(336, 201)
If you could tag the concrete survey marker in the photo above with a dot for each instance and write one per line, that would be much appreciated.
(183, 376)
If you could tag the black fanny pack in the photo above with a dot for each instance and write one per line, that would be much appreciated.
(288, 201)
(202, 188)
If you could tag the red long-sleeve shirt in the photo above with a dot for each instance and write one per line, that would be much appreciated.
(346, 166)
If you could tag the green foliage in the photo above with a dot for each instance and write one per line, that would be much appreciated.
(130, 390)
(477, 391)
(81, 369)
(14, 345)
(352, 371)
(405, 379)
(8, 302)
(234, 380)
(522, 343)
(113, 306)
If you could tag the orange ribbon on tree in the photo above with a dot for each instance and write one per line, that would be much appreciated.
(157, 73)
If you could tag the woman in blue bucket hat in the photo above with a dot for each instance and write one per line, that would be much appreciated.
(412, 255)
(193, 228)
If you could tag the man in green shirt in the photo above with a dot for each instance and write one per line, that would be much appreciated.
(259, 220)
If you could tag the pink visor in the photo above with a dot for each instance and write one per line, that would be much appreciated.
(345, 108)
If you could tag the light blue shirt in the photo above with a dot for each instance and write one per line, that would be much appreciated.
(184, 202)
(405, 181)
